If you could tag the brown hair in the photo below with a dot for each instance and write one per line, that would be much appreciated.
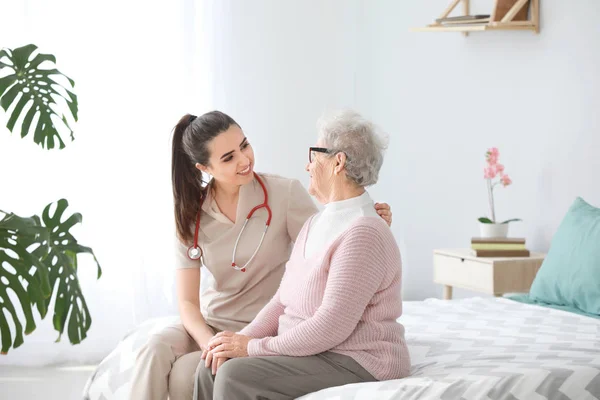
(190, 146)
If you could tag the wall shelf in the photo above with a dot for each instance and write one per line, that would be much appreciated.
(506, 23)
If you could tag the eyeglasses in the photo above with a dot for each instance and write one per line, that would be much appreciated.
(313, 150)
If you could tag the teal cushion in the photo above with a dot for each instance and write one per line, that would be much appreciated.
(570, 273)
(524, 298)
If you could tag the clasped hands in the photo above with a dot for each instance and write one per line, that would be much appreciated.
(222, 347)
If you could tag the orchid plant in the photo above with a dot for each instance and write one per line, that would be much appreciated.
(494, 175)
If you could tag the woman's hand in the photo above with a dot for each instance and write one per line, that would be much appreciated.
(385, 212)
(212, 362)
(217, 362)
(229, 345)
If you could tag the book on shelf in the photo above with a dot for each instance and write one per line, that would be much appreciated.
(464, 20)
(498, 246)
(500, 253)
(498, 240)
(464, 17)
(467, 22)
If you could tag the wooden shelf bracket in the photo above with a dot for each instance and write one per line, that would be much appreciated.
(506, 23)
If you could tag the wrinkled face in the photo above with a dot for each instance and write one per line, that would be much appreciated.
(231, 158)
(321, 170)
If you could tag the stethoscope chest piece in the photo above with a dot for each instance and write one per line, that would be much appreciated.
(194, 253)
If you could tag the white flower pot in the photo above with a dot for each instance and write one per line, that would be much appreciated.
(493, 230)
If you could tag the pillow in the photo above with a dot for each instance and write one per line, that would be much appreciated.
(570, 273)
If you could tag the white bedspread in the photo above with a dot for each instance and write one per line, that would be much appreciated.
(475, 348)
(490, 349)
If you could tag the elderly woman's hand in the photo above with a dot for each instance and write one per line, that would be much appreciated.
(385, 212)
(229, 345)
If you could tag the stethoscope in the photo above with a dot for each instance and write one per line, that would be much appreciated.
(195, 252)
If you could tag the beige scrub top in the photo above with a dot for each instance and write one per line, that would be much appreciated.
(233, 298)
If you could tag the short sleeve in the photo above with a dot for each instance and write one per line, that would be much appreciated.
(181, 258)
(300, 208)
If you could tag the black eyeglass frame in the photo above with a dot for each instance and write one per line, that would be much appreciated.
(318, 150)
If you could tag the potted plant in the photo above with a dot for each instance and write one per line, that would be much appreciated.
(495, 176)
(38, 254)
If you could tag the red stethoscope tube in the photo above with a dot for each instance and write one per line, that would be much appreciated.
(195, 252)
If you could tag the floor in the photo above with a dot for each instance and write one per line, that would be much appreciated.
(49, 383)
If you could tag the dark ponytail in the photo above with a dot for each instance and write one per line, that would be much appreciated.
(190, 146)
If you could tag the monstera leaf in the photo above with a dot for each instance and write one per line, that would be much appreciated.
(62, 265)
(17, 235)
(37, 257)
(35, 92)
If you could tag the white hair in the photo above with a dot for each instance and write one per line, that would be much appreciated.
(362, 142)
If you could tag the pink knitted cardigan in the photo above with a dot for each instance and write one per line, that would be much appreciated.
(345, 299)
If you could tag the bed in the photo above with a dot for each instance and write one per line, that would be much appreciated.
(475, 348)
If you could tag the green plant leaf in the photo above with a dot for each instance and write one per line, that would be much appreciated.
(34, 92)
(23, 273)
(511, 220)
(36, 257)
(62, 264)
(485, 220)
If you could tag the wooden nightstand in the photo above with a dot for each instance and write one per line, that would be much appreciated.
(457, 267)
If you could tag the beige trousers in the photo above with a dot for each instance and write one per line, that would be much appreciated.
(166, 365)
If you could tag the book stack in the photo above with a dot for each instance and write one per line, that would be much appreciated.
(464, 20)
(499, 247)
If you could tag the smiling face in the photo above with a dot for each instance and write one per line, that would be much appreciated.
(231, 159)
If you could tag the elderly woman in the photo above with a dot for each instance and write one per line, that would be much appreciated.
(333, 320)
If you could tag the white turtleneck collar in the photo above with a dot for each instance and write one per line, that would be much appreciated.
(335, 218)
(354, 202)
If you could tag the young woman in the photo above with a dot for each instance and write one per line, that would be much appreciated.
(214, 229)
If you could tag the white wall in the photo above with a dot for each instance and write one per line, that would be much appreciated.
(446, 98)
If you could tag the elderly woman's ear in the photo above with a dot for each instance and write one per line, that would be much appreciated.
(340, 159)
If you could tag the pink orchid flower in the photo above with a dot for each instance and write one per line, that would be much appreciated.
(492, 170)
(492, 155)
(489, 172)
